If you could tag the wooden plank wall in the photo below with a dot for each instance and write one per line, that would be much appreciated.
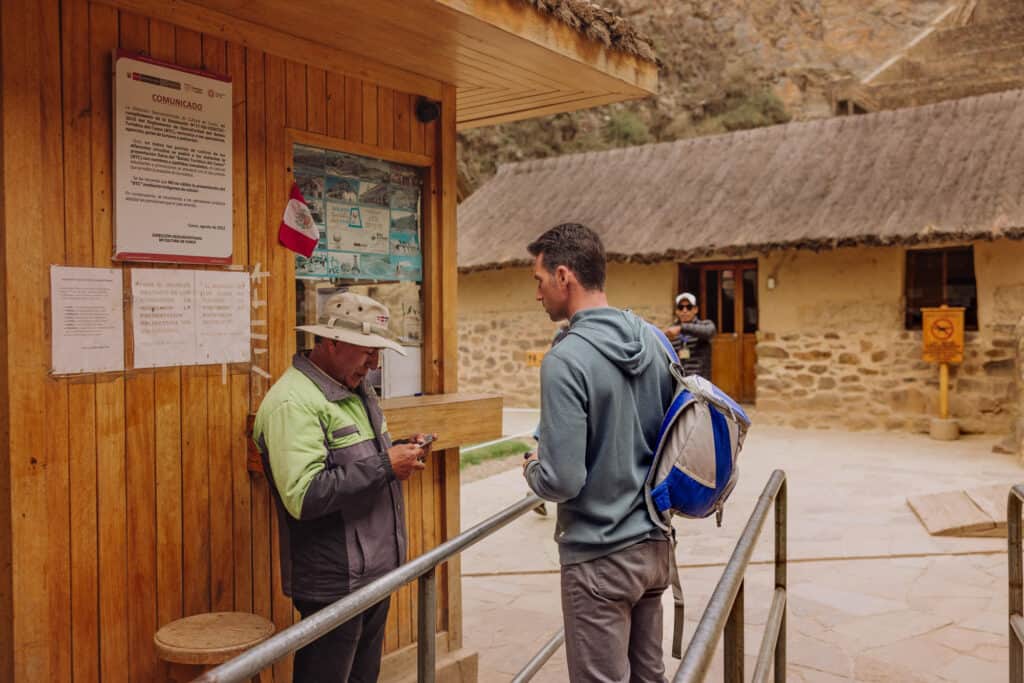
(126, 502)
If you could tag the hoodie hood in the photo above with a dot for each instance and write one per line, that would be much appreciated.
(620, 336)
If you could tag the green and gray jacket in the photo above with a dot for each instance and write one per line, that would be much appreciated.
(325, 449)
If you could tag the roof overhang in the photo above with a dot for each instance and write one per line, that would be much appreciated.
(507, 59)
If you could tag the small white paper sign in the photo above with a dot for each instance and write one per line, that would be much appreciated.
(222, 317)
(87, 314)
(163, 317)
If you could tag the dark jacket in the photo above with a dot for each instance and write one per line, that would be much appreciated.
(693, 345)
(605, 388)
(325, 451)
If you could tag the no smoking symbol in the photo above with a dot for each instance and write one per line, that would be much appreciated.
(942, 328)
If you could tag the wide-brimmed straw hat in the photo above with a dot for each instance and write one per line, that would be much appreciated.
(355, 319)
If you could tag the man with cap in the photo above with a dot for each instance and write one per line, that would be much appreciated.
(691, 337)
(335, 474)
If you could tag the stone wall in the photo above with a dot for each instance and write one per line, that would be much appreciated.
(877, 380)
(500, 321)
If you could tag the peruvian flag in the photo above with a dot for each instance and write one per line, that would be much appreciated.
(298, 232)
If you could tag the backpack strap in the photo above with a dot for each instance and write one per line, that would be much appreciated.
(677, 598)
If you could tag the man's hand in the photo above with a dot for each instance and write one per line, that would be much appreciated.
(673, 331)
(405, 459)
(527, 459)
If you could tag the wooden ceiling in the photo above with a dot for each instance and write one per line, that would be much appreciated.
(507, 60)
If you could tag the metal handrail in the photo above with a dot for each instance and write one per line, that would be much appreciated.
(1015, 572)
(725, 609)
(541, 658)
(423, 569)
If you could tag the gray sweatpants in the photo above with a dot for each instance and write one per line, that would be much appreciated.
(612, 612)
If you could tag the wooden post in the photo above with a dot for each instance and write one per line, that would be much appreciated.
(944, 391)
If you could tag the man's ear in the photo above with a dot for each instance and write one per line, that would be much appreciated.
(563, 275)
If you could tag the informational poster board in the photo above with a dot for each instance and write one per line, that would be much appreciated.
(368, 213)
(87, 320)
(190, 317)
(173, 165)
(942, 334)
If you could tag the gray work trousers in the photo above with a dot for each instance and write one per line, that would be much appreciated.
(349, 654)
(613, 616)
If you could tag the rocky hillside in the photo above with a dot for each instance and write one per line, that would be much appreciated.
(727, 65)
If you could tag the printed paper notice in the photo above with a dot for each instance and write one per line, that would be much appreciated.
(172, 176)
(222, 317)
(87, 319)
(163, 317)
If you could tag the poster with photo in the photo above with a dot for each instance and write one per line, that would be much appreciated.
(368, 211)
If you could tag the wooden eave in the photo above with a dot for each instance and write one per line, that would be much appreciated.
(507, 60)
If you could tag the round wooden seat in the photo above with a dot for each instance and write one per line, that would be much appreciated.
(211, 638)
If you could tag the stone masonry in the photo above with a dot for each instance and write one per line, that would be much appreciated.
(877, 380)
(492, 353)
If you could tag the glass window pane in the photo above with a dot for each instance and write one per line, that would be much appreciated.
(924, 284)
(709, 308)
(750, 300)
(728, 302)
(961, 289)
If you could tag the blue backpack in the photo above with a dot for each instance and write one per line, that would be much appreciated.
(694, 468)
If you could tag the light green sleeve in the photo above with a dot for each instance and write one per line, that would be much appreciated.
(295, 441)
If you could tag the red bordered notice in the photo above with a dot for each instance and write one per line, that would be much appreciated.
(172, 163)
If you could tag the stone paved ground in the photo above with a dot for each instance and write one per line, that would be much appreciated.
(873, 597)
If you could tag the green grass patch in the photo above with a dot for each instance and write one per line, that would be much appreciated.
(498, 450)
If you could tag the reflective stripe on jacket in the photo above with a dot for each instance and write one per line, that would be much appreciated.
(340, 507)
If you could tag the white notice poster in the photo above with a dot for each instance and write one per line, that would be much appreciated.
(172, 175)
(163, 317)
(87, 316)
(222, 317)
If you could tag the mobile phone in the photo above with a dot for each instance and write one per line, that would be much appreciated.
(427, 440)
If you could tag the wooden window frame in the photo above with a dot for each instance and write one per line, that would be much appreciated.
(911, 279)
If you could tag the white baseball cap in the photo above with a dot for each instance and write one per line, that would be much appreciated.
(355, 319)
(688, 297)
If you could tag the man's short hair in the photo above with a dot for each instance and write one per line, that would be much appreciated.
(576, 247)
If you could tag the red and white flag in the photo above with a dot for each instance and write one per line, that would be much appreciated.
(298, 232)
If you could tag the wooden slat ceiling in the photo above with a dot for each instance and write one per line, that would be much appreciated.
(507, 60)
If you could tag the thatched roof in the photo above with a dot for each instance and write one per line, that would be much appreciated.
(600, 25)
(953, 170)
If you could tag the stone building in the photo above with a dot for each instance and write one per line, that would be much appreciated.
(812, 245)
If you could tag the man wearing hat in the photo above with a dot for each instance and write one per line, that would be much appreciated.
(335, 474)
(691, 337)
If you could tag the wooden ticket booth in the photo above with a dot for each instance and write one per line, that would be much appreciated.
(126, 498)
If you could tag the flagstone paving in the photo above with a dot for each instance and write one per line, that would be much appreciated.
(872, 597)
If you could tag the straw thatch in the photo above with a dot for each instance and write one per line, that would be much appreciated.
(948, 171)
(600, 25)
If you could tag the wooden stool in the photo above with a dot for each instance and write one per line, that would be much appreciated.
(194, 644)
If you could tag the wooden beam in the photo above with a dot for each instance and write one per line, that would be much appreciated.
(272, 41)
(496, 116)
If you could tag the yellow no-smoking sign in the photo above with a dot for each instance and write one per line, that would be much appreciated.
(942, 335)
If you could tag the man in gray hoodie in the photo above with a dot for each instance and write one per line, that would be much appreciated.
(605, 387)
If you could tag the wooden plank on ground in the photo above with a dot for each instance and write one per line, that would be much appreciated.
(950, 513)
(992, 501)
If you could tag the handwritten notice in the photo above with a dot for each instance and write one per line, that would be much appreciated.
(87, 316)
(190, 317)
(173, 164)
(163, 317)
(222, 317)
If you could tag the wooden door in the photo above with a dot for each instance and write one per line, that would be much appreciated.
(727, 295)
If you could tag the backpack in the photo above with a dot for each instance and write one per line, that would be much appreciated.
(694, 467)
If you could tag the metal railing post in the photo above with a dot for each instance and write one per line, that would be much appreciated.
(426, 649)
(725, 607)
(1016, 581)
(781, 577)
(541, 658)
(733, 650)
